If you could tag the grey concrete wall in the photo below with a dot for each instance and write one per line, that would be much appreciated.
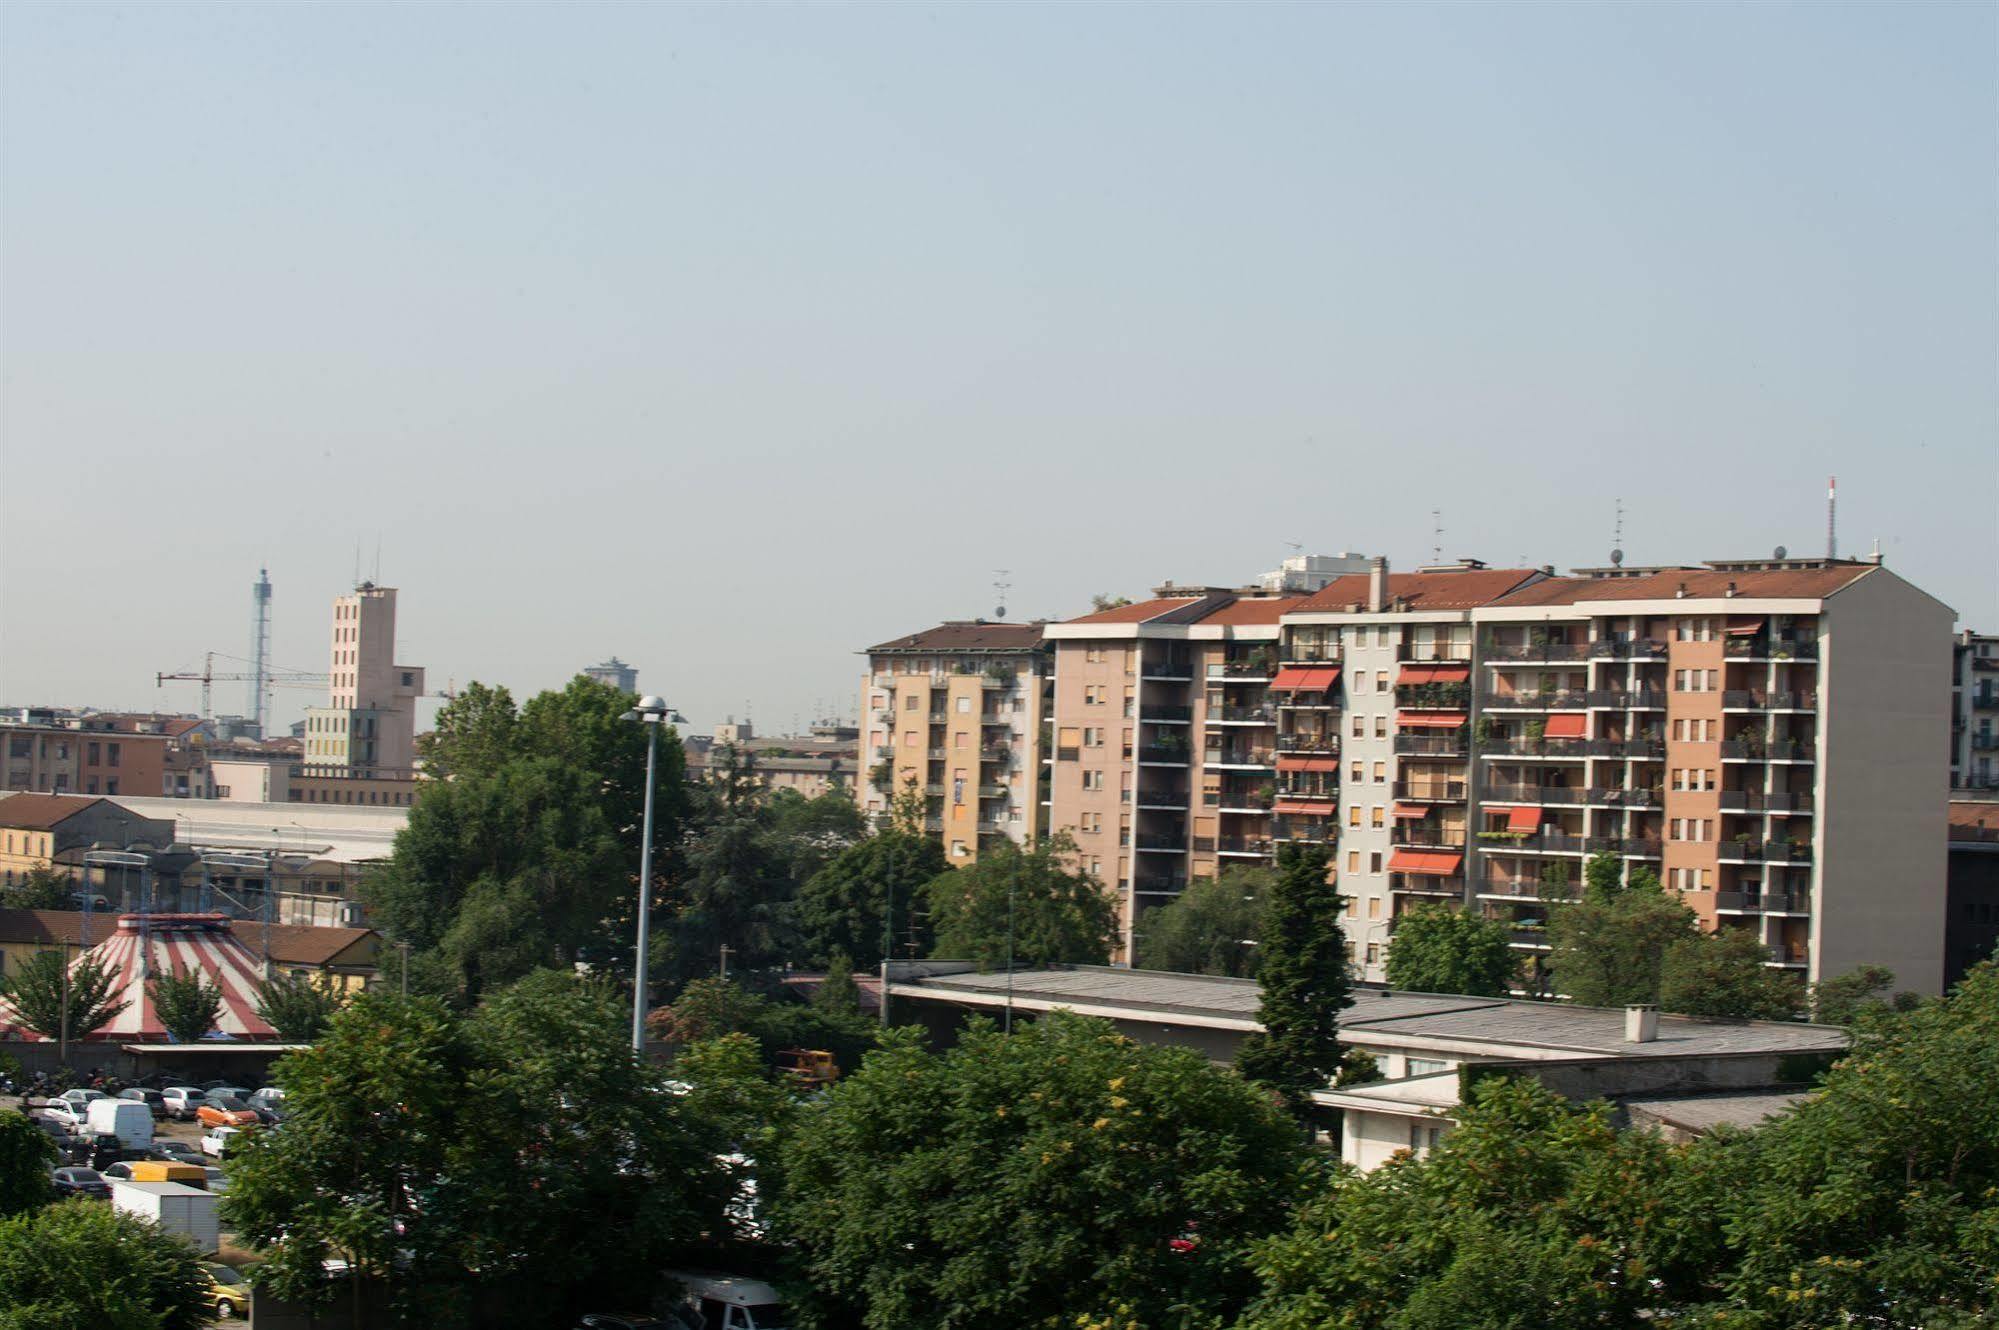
(1599, 1078)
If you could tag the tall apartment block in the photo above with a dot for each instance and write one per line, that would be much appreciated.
(1764, 735)
(614, 673)
(367, 730)
(957, 714)
(1974, 712)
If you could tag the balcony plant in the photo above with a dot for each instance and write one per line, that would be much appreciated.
(1535, 732)
(1262, 660)
(1484, 732)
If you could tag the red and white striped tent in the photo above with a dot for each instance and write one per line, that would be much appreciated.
(145, 946)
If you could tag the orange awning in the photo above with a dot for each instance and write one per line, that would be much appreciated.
(1306, 678)
(1568, 725)
(1743, 626)
(1434, 720)
(1308, 764)
(1432, 674)
(1320, 806)
(1524, 819)
(1412, 810)
(1437, 863)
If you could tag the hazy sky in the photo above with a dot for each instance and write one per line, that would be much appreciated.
(732, 339)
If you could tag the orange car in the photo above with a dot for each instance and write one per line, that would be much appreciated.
(226, 1111)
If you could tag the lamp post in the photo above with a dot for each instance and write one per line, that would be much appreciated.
(652, 713)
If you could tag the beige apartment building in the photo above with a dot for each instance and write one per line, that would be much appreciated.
(957, 714)
(1765, 735)
(1974, 708)
(361, 746)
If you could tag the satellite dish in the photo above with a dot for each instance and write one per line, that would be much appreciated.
(1617, 558)
(1781, 553)
(999, 612)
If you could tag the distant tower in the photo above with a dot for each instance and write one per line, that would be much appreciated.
(260, 648)
(615, 673)
(1831, 517)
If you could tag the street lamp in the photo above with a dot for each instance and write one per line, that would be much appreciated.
(651, 712)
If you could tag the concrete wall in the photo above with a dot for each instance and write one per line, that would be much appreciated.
(1598, 1078)
(1881, 846)
(1369, 1140)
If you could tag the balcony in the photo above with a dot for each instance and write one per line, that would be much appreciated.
(1792, 957)
(1539, 842)
(998, 681)
(1763, 852)
(1632, 699)
(1430, 838)
(995, 791)
(940, 718)
(1546, 700)
(1431, 791)
(1260, 759)
(1167, 671)
(1512, 888)
(1514, 793)
(1308, 700)
(1241, 716)
(1242, 671)
(1154, 844)
(1423, 884)
(1328, 795)
(1642, 648)
(1319, 655)
(1454, 743)
(1243, 845)
(1529, 939)
(1161, 755)
(1433, 696)
(1984, 742)
(1756, 648)
(1160, 884)
(996, 753)
(1533, 654)
(1777, 750)
(1643, 749)
(1741, 902)
(1748, 700)
(1605, 796)
(1308, 743)
(1541, 749)
(937, 754)
(1169, 715)
(1756, 801)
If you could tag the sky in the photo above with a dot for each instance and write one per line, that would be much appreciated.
(732, 339)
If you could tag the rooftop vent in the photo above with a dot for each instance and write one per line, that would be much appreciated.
(1641, 1023)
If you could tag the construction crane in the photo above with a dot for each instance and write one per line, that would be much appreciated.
(207, 677)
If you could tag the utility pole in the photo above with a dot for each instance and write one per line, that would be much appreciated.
(725, 961)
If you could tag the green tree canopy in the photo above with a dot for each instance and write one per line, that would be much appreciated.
(1440, 950)
(1609, 948)
(26, 1156)
(1017, 1178)
(1303, 977)
(1860, 993)
(840, 907)
(1029, 900)
(1723, 975)
(42, 994)
(186, 1003)
(1213, 927)
(82, 1265)
(39, 889)
(710, 1009)
(811, 832)
(298, 1006)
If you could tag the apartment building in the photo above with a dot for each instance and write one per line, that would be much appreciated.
(1763, 735)
(1375, 735)
(957, 714)
(1974, 712)
(1163, 767)
(79, 758)
(361, 746)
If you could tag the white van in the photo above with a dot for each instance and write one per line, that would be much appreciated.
(127, 1119)
(730, 1302)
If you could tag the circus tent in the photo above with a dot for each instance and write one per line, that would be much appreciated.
(146, 946)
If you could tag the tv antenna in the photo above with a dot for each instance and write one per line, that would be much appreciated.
(1617, 536)
(1436, 535)
(1000, 587)
(1832, 517)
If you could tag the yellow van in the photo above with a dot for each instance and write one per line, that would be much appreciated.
(149, 1170)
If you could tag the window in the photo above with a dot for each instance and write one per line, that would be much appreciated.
(1093, 780)
(1353, 861)
(1376, 817)
(1093, 655)
(910, 702)
(1373, 948)
(1380, 773)
(1427, 1066)
(1423, 1137)
(1353, 817)
(1381, 634)
(1381, 678)
(1355, 773)
(1093, 822)
(958, 850)
(1374, 861)
(1359, 726)
(1381, 727)
(1374, 907)
(1093, 694)
(90, 755)
(964, 705)
(1693, 630)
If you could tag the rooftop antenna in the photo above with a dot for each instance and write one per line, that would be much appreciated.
(377, 579)
(1000, 587)
(1617, 534)
(1436, 535)
(1832, 517)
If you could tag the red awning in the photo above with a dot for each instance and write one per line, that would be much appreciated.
(1567, 725)
(1437, 863)
(1523, 819)
(1432, 674)
(1434, 720)
(1744, 626)
(1412, 810)
(1320, 805)
(1308, 764)
(1306, 678)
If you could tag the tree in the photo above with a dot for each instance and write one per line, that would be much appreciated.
(40, 888)
(809, 833)
(298, 1006)
(1857, 995)
(1103, 600)
(837, 991)
(453, 1159)
(26, 1155)
(1603, 875)
(736, 889)
(1876, 1200)
(1722, 975)
(41, 989)
(473, 735)
(1023, 904)
(1611, 951)
(840, 908)
(1213, 927)
(1015, 1177)
(710, 1009)
(1303, 978)
(1439, 950)
(81, 1265)
(187, 1005)
(1532, 1212)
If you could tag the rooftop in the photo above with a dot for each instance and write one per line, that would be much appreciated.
(1704, 1112)
(1139, 611)
(291, 944)
(966, 635)
(1974, 820)
(42, 812)
(1698, 583)
(1458, 589)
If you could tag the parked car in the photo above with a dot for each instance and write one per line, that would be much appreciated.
(221, 1110)
(217, 1141)
(73, 1118)
(150, 1098)
(81, 1097)
(224, 1087)
(227, 1290)
(730, 1302)
(181, 1101)
(80, 1182)
(634, 1321)
(118, 1172)
(130, 1122)
(269, 1103)
(176, 1152)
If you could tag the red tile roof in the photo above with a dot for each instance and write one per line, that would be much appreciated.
(1140, 611)
(42, 812)
(1701, 584)
(1252, 610)
(1972, 819)
(1421, 591)
(968, 635)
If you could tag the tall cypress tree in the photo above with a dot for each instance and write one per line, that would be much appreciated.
(1303, 972)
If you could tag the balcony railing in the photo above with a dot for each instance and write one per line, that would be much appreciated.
(1535, 748)
(1538, 842)
(1517, 793)
(1529, 939)
(1261, 715)
(1631, 699)
(1780, 750)
(995, 791)
(1546, 651)
(1452, 744)
(938, 754)
(1551, 700)
(1166, 798)
(1160, 883)
(1753, 903)
(1308, 743)
(940, 718)
(1604, 796)
(1243, 844)
(1325, 793)
(1756, 648)
(1983, 742)
(1160, 842)
(1438, 838)
(1166, 669)
(1247, 670)
(1424, 884)
(1751, 700)
(1775, 851)
(1168, 713)
(1643, 648)
(1307, 700)
(1433, 696)
(1239, 757)
(1157, 753)
(1431, 791)
(1794, 954)
(1756, 801)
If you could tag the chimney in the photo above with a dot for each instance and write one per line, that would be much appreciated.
(1377, 584)
(1681, 593)
(1641, 1023)
(1731, 591)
